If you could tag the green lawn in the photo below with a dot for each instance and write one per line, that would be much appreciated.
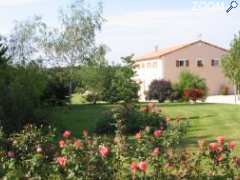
(207, 120)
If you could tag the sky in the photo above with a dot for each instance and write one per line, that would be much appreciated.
(138, 26)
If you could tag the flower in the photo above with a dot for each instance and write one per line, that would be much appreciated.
(77, 143)
(143, 166)
(201, 144)
(219, 158)
(220, 149)
(168, 119)
(157, 133)
(103, 150)
(147, 129)
(62, 161)
(220, 140)
(232, 145)
(39, 149)
(67, 134)
(238, 161)
(85, 133)
(151, 105)
(10, 154)
(156, 151)
(213, 147)
(134, 167)
(138, 135)
(61, 143)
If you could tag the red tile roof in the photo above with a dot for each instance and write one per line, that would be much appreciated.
(161, 52)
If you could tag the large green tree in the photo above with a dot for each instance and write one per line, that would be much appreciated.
(231, 63)
(120, 85)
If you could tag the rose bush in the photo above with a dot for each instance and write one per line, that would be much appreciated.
(151, 153)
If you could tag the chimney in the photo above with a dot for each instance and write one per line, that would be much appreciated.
(156, 48)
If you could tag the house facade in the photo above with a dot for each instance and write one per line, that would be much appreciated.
(199, 57)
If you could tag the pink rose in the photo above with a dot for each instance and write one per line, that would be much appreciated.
(77, 144)
(220, 140)
(156, 151)
(138, 135)
(85, 133)
(134, 167)
(103, 150)
(62, 161)
(213, 147)
(157, 133)
(238, 161)
(67, 134)
(10, 154)
(232, 145)
(219, 158)
(61, 143)
(143, 166)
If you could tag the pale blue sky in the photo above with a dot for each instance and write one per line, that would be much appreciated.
(136, 26)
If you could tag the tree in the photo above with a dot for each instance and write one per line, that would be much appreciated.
(160, 90)
(21, 88)
(122, 87)
(92, 78)
(24, 41)
(73, 43)
(231, 63)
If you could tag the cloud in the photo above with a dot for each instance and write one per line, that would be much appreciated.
(139, 32)
(9, 3)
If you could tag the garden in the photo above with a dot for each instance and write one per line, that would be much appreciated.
(67, 113)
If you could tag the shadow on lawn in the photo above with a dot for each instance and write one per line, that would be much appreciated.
(182, 104)
(194, 117)
(192, 141)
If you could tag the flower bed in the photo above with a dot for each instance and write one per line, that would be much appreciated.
(36, 153)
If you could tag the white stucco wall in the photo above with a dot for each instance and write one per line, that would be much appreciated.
(146, 72)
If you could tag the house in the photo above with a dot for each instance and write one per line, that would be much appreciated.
(199, 57)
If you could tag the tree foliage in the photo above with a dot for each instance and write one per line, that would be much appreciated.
(122, 87)
(21, 88)
(160, 90)
(231, 62)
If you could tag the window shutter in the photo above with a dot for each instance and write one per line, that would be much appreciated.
(187, 63)
(177, 63)
(212, 62)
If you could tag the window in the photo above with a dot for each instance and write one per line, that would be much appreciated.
(155, 65)
(143, 65)
(182, 63)
(148, 65)
(215, 62)
(199, 63)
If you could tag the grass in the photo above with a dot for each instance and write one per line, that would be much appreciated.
(207, 120)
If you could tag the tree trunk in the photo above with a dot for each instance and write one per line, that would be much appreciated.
(235, 93)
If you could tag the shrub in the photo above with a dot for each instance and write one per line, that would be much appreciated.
(187, 80)
(57, 88)
(160, 90)
(21, 89)
(135, 118)
(194, 94)
(34, 153)
(224, 90)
